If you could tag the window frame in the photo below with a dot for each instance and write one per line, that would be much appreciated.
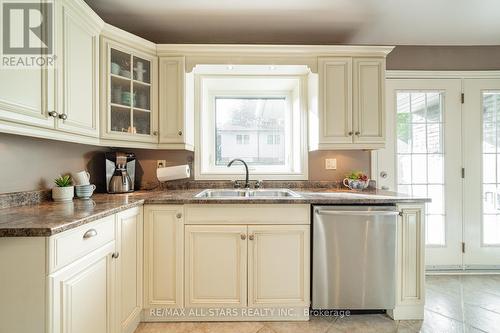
(296, 151)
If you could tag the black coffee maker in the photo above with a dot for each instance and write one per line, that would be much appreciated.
(120, 172)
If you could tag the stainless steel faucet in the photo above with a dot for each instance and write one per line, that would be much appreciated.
(247, 184)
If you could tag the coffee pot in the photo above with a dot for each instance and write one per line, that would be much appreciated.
(120, 172)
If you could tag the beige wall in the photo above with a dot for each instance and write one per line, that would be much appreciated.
(346, 162)
(30, 163)
(459, 58)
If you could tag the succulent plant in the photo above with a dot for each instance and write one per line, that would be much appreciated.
(63, 181)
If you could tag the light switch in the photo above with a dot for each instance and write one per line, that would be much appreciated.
(331, 164)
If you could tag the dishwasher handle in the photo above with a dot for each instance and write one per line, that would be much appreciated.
(357, 212)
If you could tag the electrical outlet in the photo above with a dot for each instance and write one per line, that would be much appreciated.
(331, 164)
(161, 164)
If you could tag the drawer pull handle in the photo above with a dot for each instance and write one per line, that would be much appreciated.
(89, 234)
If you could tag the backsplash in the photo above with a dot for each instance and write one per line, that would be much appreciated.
(43, 160)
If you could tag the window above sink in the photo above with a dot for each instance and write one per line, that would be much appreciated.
(256, 113)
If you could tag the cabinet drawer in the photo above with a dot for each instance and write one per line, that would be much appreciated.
(71, 245)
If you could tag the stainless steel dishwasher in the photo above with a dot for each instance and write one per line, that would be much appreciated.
(354, 257)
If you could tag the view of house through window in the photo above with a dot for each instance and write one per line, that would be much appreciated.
(420, 155)
(251, 128)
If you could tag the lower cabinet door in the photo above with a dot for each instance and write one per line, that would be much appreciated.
(81, 295)
(164, 256)
(216, 266)
(128, 269)
(278, 265)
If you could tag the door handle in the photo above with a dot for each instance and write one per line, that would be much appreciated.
(359, 213)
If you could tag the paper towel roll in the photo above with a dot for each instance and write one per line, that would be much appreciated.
(173, 173)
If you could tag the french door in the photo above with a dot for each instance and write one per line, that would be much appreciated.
(481, 142)
(446, 147)
(423, 158)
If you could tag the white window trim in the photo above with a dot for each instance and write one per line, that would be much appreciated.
(298, 103)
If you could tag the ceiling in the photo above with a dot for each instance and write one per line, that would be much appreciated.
(382, 22)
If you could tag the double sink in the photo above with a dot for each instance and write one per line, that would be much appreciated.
(246, 193)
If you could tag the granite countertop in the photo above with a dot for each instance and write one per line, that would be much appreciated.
(49, 218)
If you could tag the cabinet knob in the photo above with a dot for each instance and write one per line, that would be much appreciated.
(251, 236)
(243, 236)
(155, 133)
(179, 215)
(115, 255)
(350, 133)
(63, 116)
(53, 114)
(357, 133)
(179, 133)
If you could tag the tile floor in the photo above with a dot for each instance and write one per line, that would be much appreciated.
(466, 303)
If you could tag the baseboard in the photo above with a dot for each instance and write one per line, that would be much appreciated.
(407, 312)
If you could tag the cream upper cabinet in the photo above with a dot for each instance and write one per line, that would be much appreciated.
(58, 102)
(129, 84)
(129, 269)
(278, 265)
(368, 103)
(351, 110)
(23, 99)
(171, 99)
(216, 266)
(78, 97)
(335, 100)
(163, 256)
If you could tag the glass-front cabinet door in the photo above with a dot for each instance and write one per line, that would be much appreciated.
(131, 84)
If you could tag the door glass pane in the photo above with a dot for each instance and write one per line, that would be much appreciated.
(420, 156)
(491, 169)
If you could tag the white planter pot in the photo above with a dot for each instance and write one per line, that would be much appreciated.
(63, 194)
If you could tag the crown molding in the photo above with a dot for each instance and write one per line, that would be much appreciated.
(111, 32)
(265, 50)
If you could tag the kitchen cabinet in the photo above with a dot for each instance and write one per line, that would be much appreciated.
(129, 268)
(278, 259)
(129, 97)
(351, 109)
(247, 256)
(78, 46)
(410, 266)
(176, 116)
(24, 100)
(81, 295)
(58, 102)
(216, 266)
(163, 256)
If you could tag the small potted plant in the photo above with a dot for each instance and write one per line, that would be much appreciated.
(357, 180)
(63, 191)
